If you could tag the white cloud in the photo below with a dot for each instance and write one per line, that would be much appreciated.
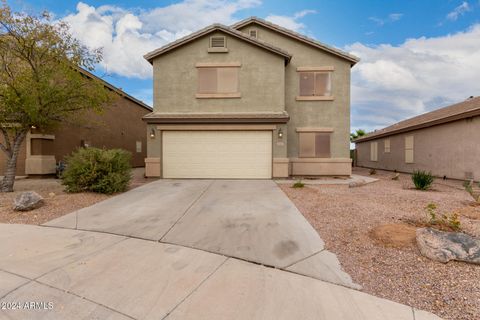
(395, 16)
(459, 11)
(392, 83)
(290, 22)
(392, 17)
(126, 35)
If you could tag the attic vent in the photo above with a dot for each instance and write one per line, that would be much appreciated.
(217, 42)
(253, 33)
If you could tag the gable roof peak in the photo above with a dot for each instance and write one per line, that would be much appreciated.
(213, 27)
(298, 36)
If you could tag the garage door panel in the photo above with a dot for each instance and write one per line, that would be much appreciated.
(217, 154)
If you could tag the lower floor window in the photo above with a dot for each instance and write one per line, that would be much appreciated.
(314, 145)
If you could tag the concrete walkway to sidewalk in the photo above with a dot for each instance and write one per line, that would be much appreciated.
(183, 249)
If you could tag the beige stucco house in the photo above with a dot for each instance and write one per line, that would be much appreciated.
(253, 101)
(444, 141)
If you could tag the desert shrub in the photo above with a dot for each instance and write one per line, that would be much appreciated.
(298, 184)
(468, 186)
(422, 179)
(442, 221)
(97, 170)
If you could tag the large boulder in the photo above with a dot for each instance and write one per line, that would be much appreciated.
(445, 246)
(26, 201)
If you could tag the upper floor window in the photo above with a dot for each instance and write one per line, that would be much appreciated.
(315, 83)
(218, 80)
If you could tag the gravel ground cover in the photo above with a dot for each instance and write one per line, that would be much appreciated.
(57, 202)
(358, 224)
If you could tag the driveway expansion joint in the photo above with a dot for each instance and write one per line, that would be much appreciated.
(303, 259)
(83, 298)
(20, 286)
(196, 288)
(186, 211)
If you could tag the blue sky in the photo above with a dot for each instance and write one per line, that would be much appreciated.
(416, 55)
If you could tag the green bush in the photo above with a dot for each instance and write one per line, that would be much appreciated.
(97, 170)
(298, 184)
(422, 179)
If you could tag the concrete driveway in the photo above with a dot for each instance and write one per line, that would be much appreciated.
(190, 249)
(251, 220)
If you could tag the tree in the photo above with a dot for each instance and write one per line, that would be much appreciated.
(41, 81)
(357, 134)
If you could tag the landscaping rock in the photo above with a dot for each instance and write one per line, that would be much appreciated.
(445, 246)
(28, 200)
(356, 183)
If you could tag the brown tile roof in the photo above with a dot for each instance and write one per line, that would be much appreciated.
(465, 109)
(345, 55)
(214, 27)
(216, 117)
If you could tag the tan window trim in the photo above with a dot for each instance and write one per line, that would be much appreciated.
(217, 95)
(310, 143)
(217, 64)
(315, 98)
(314, 129)
(324, 68)
(217, 50)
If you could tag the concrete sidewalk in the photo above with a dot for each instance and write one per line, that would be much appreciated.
(72, 274)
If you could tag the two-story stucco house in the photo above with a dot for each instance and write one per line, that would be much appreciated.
(250, 101)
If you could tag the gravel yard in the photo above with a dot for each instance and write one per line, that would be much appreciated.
(370, 229)
(57, 202)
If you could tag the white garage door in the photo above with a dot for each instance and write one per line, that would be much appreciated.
(217, 154)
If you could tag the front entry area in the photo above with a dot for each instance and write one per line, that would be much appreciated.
(217, 154)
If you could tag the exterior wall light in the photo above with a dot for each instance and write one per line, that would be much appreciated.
(280, 133)
(152, 134)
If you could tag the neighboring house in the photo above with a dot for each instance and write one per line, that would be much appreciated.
(120, 125)
(444, 141)
(253, 100)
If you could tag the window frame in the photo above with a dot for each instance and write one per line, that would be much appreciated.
(315, 70)
(386, 146)
(218, 95)
(409, 149)
(374, 151)
(312, 135)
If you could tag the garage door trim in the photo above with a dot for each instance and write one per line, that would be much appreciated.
(229, 129)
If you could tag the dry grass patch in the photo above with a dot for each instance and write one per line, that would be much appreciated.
(395, 235)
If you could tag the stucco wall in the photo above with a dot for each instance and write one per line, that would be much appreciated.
(261, 78)
(334, 114)
(450, 149)
(119, 126)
